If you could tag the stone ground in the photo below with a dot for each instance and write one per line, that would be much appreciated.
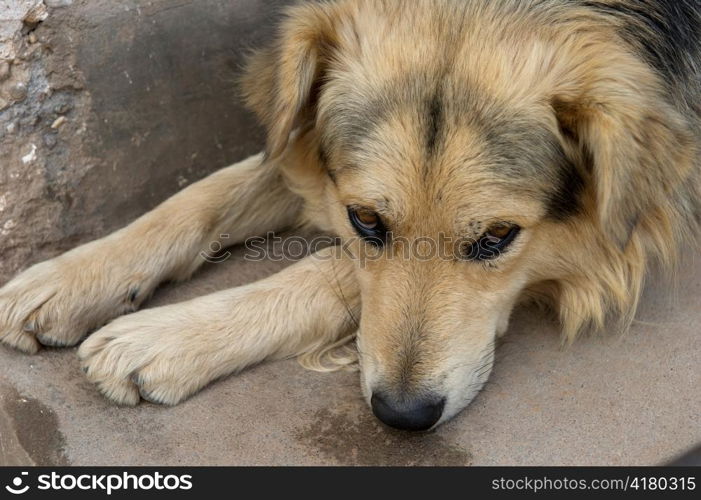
(107, 108)
(616, 400)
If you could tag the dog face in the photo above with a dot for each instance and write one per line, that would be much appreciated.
(472, 155)
(444, 234)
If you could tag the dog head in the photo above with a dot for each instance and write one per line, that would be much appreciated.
(474, 155)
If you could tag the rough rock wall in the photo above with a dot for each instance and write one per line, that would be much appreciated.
(107, 108)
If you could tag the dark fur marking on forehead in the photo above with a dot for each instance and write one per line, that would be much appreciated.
(350, 122)
(528, 155)
(521, 148)
(434, 117)
(520, 151)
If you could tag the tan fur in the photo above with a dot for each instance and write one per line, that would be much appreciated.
(424, 325)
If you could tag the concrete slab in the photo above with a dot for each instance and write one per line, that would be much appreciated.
(630, 400)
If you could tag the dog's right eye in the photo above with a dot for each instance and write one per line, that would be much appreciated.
(368, 225)
(492, 243)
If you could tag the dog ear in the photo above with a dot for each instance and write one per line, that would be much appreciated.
(637, 147)
(281, 83)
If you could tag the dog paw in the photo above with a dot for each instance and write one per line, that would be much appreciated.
(58, 302)
(144, 356)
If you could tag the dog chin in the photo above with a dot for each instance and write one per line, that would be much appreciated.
(465, 393)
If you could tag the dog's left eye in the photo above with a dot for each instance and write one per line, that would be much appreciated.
(368, 225)
(490, 245)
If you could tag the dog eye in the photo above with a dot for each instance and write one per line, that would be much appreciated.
(494, 241)
(368, 225)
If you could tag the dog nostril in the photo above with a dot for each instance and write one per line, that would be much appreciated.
(418, 414)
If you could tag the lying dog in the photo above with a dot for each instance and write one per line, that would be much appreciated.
(554, 144)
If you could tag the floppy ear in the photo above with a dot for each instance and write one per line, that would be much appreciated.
(281, 83)
(637, 146)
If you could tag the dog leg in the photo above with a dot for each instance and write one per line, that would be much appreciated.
(59, 301)
(165, 354)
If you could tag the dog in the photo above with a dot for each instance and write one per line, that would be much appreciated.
(555, 144)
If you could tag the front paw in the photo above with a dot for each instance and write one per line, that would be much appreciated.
(143, 356)
(58, 302)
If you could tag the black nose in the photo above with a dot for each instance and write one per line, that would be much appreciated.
(417, 414)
